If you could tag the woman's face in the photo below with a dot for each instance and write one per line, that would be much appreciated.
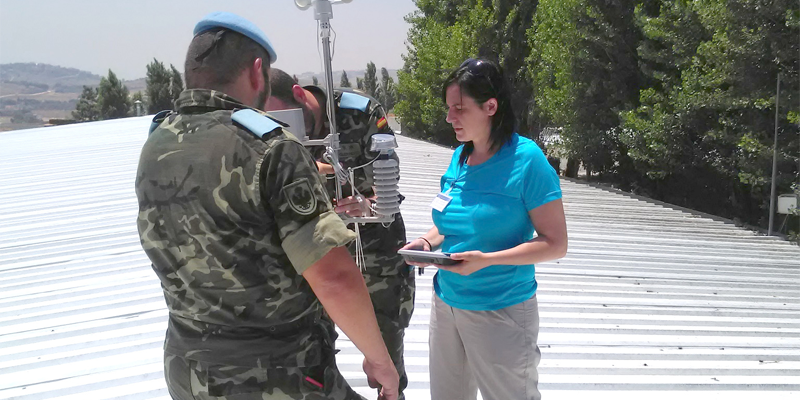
(471, 121)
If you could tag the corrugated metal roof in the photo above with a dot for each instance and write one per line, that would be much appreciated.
(649, 302)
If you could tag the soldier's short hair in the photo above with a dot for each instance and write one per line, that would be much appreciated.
(216, 58)
(281, 85)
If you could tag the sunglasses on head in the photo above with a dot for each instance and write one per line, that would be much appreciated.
(480, 68)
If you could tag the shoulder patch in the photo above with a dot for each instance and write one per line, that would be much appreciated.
(257, 124)
(353, 101)
(300, 196)
(157, 119)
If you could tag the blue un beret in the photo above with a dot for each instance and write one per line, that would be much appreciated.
(236, 23)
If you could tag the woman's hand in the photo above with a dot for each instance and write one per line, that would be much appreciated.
(417, 244)
(471, 261)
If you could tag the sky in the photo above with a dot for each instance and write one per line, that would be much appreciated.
(95, 35)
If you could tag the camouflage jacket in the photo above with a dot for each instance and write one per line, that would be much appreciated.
(356, 124)
(230, 221)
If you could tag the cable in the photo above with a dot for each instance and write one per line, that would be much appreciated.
(333, 45)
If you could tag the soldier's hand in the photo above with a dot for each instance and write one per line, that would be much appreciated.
(383, 376)
(354, 206)
(325, 168)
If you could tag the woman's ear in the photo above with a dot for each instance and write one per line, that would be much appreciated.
(490, 107)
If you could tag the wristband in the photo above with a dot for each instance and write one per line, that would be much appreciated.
(430, 246)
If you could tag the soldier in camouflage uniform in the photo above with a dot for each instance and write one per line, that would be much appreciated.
(389, 279)
(242, 235)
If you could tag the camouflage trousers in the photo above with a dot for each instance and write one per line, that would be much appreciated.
(391, 286)
(195, 380)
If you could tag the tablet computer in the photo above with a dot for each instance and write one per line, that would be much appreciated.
(419, 256)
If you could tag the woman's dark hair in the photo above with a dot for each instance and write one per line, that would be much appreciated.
(482, 80)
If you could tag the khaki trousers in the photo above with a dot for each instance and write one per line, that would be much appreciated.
(494, 351)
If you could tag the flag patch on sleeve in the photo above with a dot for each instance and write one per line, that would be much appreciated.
(382, 122)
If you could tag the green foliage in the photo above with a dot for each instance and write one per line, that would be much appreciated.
(345, 82)
(163, 86)
(87, 108)
(370, 81)
(25, 117)
(437, 45)
(387, 91)
(113, 98)
(706, 118)
(176, 83)
(673, 99)
(584, 70)
(314, 81)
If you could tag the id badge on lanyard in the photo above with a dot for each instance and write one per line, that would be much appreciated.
(443, 198)
(441, 201)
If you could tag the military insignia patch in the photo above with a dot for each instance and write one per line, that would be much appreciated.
(381, 122)
(300, 196)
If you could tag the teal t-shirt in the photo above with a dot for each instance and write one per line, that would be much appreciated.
(489, 212)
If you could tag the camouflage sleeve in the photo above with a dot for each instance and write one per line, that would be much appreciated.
(377, 123)
(307, 226)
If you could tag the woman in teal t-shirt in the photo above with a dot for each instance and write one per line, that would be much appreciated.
(498, 190)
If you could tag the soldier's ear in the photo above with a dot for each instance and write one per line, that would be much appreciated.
(257, 76)
(299, 94)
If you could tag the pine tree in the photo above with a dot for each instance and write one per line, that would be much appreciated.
(387, 91)
(175, 84)
(345, 83)
(87, 108)
(371, 80)
(163, 86)
(113, 98)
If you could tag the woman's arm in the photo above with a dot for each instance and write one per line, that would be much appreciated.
(550, 244)
(427, 242)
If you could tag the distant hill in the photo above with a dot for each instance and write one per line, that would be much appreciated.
(33, 93)
(52, 77)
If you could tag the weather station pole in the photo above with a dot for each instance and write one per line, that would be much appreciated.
(323, 12)
(774, 160)
(385, 171)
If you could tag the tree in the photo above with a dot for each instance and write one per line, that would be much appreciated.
(703, 132)
(360, 83)
(442, 35)
(112, 96)
(387, 91)
(163, 86)
(371, 80)
(175, 84)
(345, 83)
(315, 81)
(584, 69)
(25, 116)
(87, 108)
(296, 79)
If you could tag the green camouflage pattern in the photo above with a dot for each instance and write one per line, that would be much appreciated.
(190, 379)
(389, 279)
(230, 221)
(201, 381)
